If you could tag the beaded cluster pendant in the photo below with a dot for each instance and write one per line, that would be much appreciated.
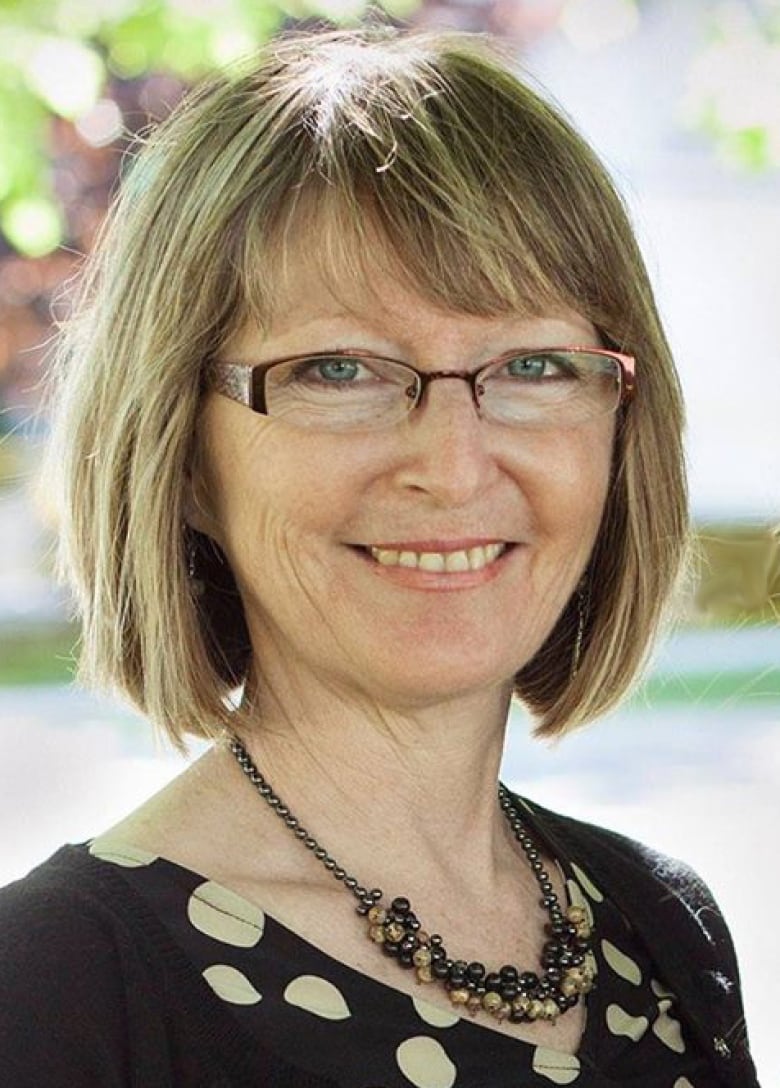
(506, 994)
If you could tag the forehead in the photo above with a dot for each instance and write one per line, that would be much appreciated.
(371, 298)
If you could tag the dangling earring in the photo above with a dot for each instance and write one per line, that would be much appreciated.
(196, 584)
(583, 607)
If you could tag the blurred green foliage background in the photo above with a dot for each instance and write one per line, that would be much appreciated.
(81, 80)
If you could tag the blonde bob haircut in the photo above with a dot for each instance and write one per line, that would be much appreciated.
(486, 201)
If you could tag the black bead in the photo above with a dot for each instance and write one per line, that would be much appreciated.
(400, 906)
(528, 980)
(391, 948)
(405, 957)
(554, 974)
(516, 1016)
(438, 954)
(363, 908)
(493, 981)
(476, 971)
(436, 939)
(439, 969)
(509, 991)
(508, 973)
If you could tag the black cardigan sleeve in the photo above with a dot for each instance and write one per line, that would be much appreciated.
(77, 1008)
(94, 994)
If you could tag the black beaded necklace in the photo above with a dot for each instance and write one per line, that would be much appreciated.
(506, 994)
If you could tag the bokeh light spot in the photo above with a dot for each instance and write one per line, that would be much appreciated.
(66, 74)
(102, 124)
(33, 225)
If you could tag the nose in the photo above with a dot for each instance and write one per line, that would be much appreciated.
(448, 449)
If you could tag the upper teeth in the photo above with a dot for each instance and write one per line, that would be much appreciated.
(468, 559)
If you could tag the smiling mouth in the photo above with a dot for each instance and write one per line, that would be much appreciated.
(440, 562)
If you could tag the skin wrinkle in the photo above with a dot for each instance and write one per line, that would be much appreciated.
(358, 682)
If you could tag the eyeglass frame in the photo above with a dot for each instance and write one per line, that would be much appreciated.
(237, 381)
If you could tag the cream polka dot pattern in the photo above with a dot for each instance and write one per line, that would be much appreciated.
(231, 985)
(621, 964)
(668, 1030)
(587, 884)
(433, 1015)
(129, 857)
(621, 1022)
(225, 916)
(555, 1066)
(299, 1002)
(424, 1063)
(578, 899)
(318, 996)
(592, 963)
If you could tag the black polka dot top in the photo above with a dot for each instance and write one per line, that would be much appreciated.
(334, 1021)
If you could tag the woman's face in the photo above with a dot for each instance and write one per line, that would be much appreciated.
(304, 516)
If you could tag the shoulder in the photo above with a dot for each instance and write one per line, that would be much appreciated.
(60, 922)
(674, 913)
(69, 966)
(665, 900)
(42, 912)
(610, 852)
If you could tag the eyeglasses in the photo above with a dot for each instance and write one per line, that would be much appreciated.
(354, 391)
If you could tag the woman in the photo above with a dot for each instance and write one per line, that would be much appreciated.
(365, 424)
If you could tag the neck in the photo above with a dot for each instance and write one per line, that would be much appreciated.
(419, 783)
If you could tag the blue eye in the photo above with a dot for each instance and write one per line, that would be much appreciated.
(535, 366)
(331, 370)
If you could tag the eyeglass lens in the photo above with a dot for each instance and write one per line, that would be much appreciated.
(343, 392)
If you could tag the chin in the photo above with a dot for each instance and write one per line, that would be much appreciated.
(424, 681)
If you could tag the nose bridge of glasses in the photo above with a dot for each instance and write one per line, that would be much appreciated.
(426, 378)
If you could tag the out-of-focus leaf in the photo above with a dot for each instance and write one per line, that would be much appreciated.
(750, 146)
(58, 57)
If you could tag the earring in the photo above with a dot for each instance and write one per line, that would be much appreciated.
(196, 584)
(583, 607)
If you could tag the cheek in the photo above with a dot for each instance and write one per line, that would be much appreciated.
(277, 503)
(568, 497)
